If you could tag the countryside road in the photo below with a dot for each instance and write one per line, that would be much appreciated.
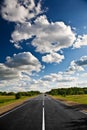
(43, 113)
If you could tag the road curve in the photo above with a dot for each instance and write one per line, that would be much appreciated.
(57, 116)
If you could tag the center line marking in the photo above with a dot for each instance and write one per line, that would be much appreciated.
(43, 117)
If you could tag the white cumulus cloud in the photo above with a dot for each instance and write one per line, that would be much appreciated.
(48, 37)
(24, 61)
(58, 77)
(80, 41)
(78, 65)
(53, 58)
(20, 10)
(19, 66)
(7, 73)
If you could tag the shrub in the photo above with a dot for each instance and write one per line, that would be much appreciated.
(18, 95)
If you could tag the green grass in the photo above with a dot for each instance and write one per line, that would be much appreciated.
(82, 99)
(4, 100)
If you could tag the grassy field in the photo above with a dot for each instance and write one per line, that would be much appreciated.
(4, 100)
(82, 99)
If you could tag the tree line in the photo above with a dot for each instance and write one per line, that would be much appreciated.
(68, 91)
(20, 94)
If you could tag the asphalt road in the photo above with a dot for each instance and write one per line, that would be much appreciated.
(43, 113)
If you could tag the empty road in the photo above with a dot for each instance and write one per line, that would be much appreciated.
(43, 113)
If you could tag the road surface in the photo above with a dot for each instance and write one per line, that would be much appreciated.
(43, 113)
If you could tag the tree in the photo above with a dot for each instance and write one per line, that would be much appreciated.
(18, 95)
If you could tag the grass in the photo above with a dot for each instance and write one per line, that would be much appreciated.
(4, 100)
(82, 99)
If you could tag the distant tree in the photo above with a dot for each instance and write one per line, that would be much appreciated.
(85, 90)
(0, 93)
(4, 93)
(68, 91)
(10, 93)
(18, 95)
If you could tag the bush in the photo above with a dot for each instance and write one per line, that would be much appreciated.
(18, 95)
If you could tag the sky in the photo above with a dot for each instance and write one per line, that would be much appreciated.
(43, 44)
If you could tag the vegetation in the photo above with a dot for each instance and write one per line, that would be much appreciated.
(82, 98)
(18, 95)
(6, 98)
(75, 94)
(29, 93)
(68, 91)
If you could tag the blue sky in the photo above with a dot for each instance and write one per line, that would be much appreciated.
(43, 44)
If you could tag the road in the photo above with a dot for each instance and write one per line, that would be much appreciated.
(43, 113)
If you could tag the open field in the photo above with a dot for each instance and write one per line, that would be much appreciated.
(4, 100)
(81, 99)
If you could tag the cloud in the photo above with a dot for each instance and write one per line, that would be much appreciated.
(47, 82)
(74, 67)
(78, 65)
(53, 58)
(51, 81)
(20, 10)
(58, 77)
(19, 66)
(47, 37)
(24, 61)
(84, 75)
(80, 41)
(7, 73)
(82, 61)
(52, 77)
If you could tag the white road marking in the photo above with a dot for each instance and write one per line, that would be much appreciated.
(82, 111)
(43, 116)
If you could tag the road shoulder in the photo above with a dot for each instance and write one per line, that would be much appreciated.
(10, 106)
(73, 105)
